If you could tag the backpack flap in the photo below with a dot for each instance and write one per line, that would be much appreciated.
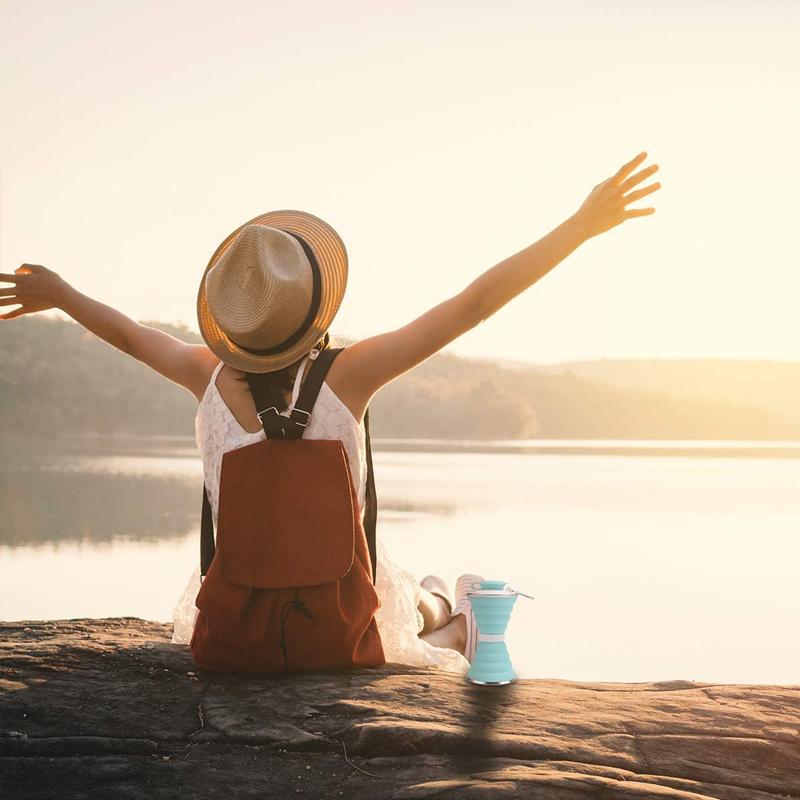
(286, 514)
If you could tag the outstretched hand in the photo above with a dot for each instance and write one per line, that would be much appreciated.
(36, 288)
(604, 208)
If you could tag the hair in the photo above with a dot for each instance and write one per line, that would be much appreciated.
(281, 380)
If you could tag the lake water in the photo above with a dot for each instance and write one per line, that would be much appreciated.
(643, 567)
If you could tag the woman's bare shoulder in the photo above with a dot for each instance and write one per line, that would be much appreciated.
(367, 365)
(204, 362)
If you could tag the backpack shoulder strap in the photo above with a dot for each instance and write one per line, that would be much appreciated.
(207, 543)
(301, 413)
(371, 506)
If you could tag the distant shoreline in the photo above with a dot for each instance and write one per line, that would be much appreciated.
(184, 446)
(599, 447)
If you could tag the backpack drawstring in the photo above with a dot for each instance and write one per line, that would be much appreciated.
(287, 609)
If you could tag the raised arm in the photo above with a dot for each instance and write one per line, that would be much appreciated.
(37, 288)
(367, 365)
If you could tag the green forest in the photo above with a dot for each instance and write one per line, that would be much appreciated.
(58, 378)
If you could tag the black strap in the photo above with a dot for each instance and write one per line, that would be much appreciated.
(370, 505)
(280, 426)
(207, 546)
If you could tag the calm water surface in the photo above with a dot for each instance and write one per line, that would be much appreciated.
(643, 567)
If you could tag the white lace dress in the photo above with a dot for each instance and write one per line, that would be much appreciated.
(399, 620)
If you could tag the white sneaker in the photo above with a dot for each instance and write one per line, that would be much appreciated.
(463, 606)
(436, 585)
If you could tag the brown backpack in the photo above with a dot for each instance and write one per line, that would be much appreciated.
(289, 583)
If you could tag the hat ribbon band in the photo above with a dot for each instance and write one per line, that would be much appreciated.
(316, 295)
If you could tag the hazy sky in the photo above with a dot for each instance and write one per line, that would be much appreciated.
(438, 138)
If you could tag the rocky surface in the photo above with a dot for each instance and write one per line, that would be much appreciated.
(110, 709)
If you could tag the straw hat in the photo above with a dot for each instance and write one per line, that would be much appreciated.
(271, 290)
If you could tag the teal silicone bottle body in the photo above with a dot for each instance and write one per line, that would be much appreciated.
(492, 603)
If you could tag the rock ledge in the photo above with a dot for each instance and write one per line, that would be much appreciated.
(109, 708)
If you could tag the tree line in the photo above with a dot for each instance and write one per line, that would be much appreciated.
(58, 378)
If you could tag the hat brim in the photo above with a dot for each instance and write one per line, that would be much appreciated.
(331, 256)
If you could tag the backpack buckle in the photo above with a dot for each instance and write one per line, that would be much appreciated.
(280, 422)
(266, 411)
(300, 411)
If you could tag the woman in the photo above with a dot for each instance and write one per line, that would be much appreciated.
(419, 622)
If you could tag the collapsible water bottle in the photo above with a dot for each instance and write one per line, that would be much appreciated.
(492, 603)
